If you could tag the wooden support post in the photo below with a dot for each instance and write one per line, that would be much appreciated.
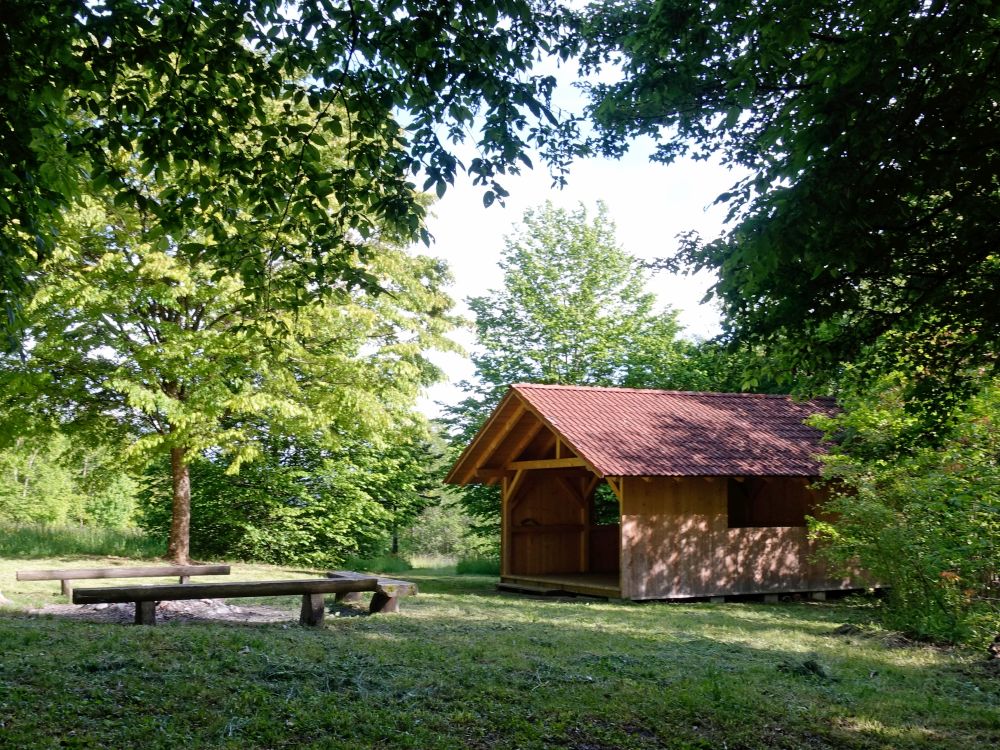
(185, 579)
(313, 609)
(505, 536)
(145, 613)
(383, 603)
(818, 596)
(587, 516)
(348, 596)
(67, 587)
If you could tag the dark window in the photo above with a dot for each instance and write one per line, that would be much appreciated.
(768, 501)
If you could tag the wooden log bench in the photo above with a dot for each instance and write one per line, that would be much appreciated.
(388, 591)
(146, 596)
(68, 575)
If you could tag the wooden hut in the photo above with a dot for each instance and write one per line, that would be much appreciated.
(712, 491)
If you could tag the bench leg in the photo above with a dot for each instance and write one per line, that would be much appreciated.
(313, 609)
(67, 588)
(185, 579)
(348, 596)
(145, 613)
(383, 603)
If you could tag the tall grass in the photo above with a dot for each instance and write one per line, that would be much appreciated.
(442, 563)
(38, 540)
(481, 566)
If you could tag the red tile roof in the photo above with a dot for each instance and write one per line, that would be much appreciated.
(631, 432)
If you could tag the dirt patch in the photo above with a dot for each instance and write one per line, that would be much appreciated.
(192, 610)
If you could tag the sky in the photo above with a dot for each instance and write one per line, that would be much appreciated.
(650, 204)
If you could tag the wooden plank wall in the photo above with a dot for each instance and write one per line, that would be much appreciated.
(675, 543)
(604, 548)
(547, 528)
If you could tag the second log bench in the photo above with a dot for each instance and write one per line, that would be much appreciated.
(146, 596)
(68, 575)
(388, 591)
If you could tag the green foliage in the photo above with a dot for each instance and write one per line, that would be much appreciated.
(478, 566)
(33, 541)
(137, 336)
(923, 519)
(867, 129)
(186, 88)
(573, 309)
(45, 478)
(302, 501)
(442, 530)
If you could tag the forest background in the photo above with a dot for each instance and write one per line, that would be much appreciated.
(215, 330)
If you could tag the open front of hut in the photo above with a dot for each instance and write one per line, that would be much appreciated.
(645, 494)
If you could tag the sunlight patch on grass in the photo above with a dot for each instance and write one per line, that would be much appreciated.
(463, 666)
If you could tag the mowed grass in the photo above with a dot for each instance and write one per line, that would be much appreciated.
(465, 667)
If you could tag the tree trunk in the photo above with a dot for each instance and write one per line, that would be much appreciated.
(179, 545)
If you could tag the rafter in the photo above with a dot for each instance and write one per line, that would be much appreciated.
(548, 463)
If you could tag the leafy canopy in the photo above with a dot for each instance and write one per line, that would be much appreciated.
(134, 333)
(573, 308)
(869, 132)
(186, 88)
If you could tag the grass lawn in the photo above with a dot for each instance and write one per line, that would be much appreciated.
(464, 666)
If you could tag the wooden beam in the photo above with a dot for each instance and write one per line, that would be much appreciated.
(513, 486)
(521, 443)
(313, 609)
(615, 483)
(491, 473)
(145, 613)
(167, 592)
(76, 574)
(547, 463)
(505, 537)
(572, 490)
(503, 433)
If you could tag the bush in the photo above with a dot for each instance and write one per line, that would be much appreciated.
(921, 519)
(442, 530)
(271, 513)
(478, 566)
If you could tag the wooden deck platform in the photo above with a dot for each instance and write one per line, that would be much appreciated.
(588, 584)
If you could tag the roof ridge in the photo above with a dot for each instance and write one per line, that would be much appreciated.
(561, 387)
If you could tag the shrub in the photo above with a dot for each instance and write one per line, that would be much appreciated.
(479, 566)
(443, 530)
(922, 519)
